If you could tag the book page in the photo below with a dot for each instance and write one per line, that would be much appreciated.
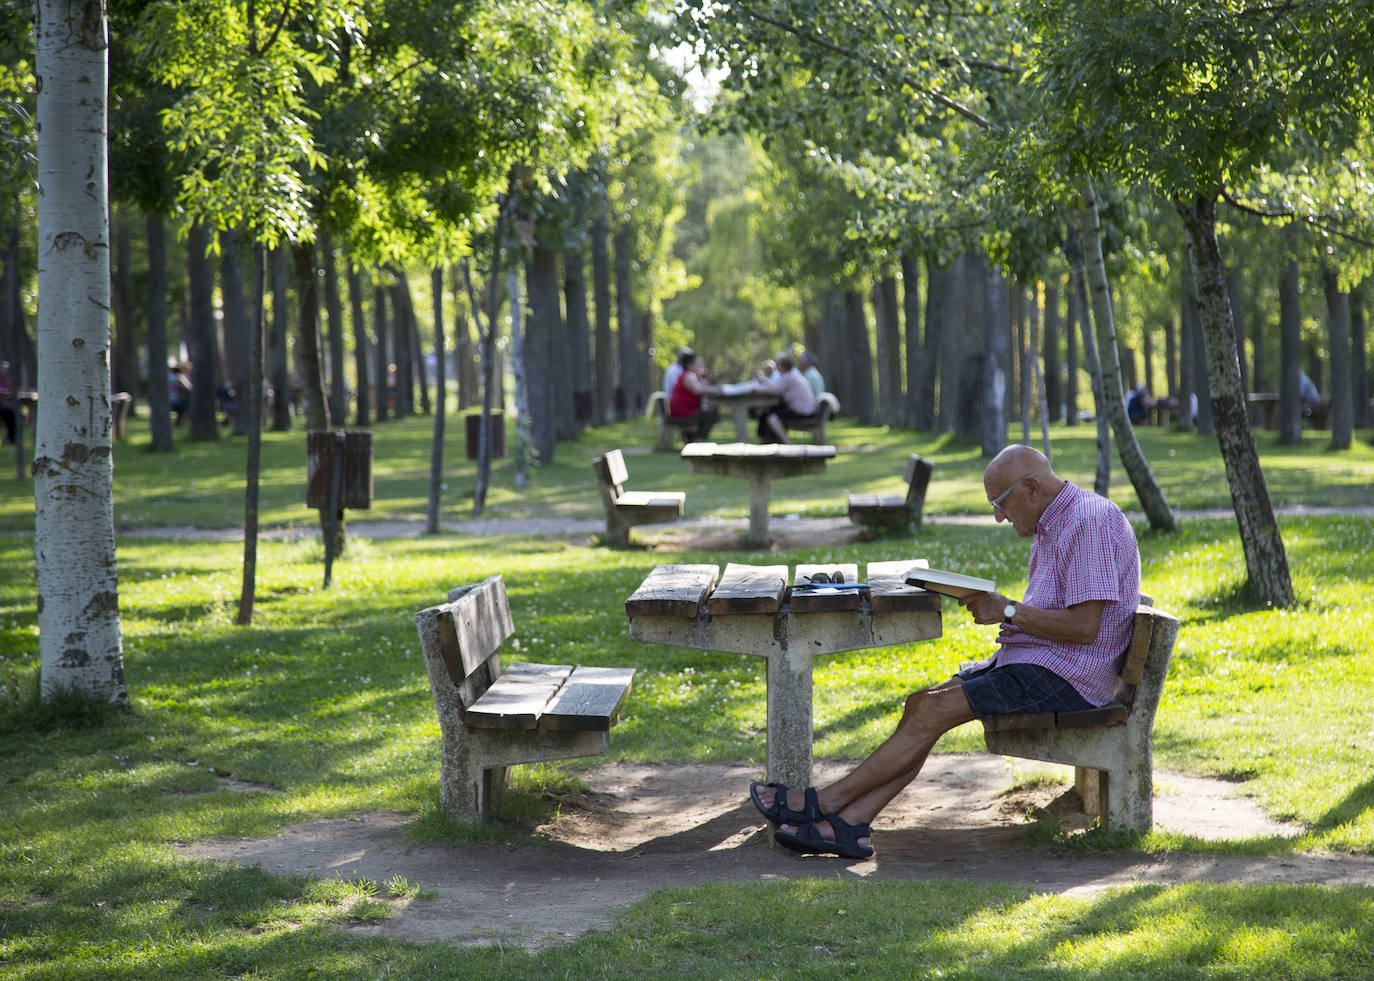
(952, 584)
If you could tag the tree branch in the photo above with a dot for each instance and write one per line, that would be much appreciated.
(1322, 222)
(821, 42)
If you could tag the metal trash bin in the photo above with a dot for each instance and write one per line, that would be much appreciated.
(355, 485)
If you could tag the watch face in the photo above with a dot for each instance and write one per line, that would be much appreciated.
(1009, 610)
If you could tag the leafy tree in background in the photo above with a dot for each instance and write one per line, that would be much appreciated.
(1189, 102)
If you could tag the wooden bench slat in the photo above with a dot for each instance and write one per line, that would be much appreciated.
(589, 701)
(474, 627)
(673, 591)
(806, 601)
(519, 697)
(888, 591)
(1019, 720)
(1138, 650)
(749, 589)
(1111, 714)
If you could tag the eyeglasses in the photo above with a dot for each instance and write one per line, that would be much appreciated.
(1001, 498)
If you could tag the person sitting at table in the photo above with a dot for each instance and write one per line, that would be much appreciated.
(686, 402)
(795, 400)
(179, 390)
(674, 371)
(806, 364)
(1138, 405)
(1059, 650)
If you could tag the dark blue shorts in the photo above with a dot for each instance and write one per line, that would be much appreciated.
(1003, 689)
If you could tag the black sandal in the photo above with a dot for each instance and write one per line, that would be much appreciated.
(779, 812)
(807, 839)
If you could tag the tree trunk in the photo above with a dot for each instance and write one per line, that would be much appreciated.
(436, 448)
(308, 325)
(381, 364)
(417, 346)
(1290, 345)
(911, 333)
(159, 402)
(1338, 342)
(1202, 419)
(625, 323)
(539, 389)
(14, 340)
(251, 404)
(1037, 379)
(1265, 559)
(1053, 390)
(603, 380)
(237, 316)
(1359, 369)
(200, 338)
(888, 331)
(401, 354)
(1073, 316)
(79, 637)
(278, 365)
(1025, 354)
(1233, 294)
(524, 436)
(955, 333)
(1102, 482)
(996, 359)
(579, 341)
(937, 296)
(837, 366)
(860, 354)
(333, 310)
(1147, 489)
(124, 365)
(362, 397)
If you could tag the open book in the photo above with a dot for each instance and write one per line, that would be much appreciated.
(949, 583)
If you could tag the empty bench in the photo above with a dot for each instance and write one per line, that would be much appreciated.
(1111, 748)
(895, 511)
(827, 407)
(625, 509)
(491, 719)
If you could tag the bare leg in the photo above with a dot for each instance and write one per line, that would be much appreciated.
(775, 424)
(859, 796)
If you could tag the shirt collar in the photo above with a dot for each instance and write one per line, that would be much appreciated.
(1058, 508)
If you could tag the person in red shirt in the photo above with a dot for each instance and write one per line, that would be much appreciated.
(686, 400)
(1059, 649)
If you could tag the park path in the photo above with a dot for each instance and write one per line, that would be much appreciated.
(785, 527)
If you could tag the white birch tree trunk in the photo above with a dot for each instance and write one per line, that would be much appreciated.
(80, 644)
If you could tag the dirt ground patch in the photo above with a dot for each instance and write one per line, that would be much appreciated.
(641, 827)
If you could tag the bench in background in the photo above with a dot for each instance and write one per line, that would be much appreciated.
(893, 511)
(658, 408)
(827, 407)
(1111, 747)
(625, 509)
(491, 719)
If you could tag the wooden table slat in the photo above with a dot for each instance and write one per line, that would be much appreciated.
(889, 593)
(673, 590)
(749, 589)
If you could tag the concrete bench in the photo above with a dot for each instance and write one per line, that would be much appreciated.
(827, 407)
(625, 509)
(1111, 747)
(658, 408)
(491, 719)
(895, 511)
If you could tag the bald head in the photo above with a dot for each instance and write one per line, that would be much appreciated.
(1016, 461)
(1020, 484)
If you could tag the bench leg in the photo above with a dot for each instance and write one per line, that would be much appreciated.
(617, 531)
(1092, 787)
(665, 435)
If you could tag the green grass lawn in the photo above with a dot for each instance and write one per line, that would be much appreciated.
(324, 701)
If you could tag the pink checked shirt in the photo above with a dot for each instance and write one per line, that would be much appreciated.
(1084, 549)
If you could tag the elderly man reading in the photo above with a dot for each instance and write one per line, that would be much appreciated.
(1059, 649)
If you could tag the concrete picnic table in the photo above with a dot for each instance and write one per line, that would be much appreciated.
(760, 464)
(739, 403)
(757, 610)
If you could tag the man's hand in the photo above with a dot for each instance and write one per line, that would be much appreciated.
(985, 607)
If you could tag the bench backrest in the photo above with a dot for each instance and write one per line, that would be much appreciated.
(462, 638)
(610, 476)
(918, 471)
(1146, 661)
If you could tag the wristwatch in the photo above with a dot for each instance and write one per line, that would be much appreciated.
(1008, 611)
